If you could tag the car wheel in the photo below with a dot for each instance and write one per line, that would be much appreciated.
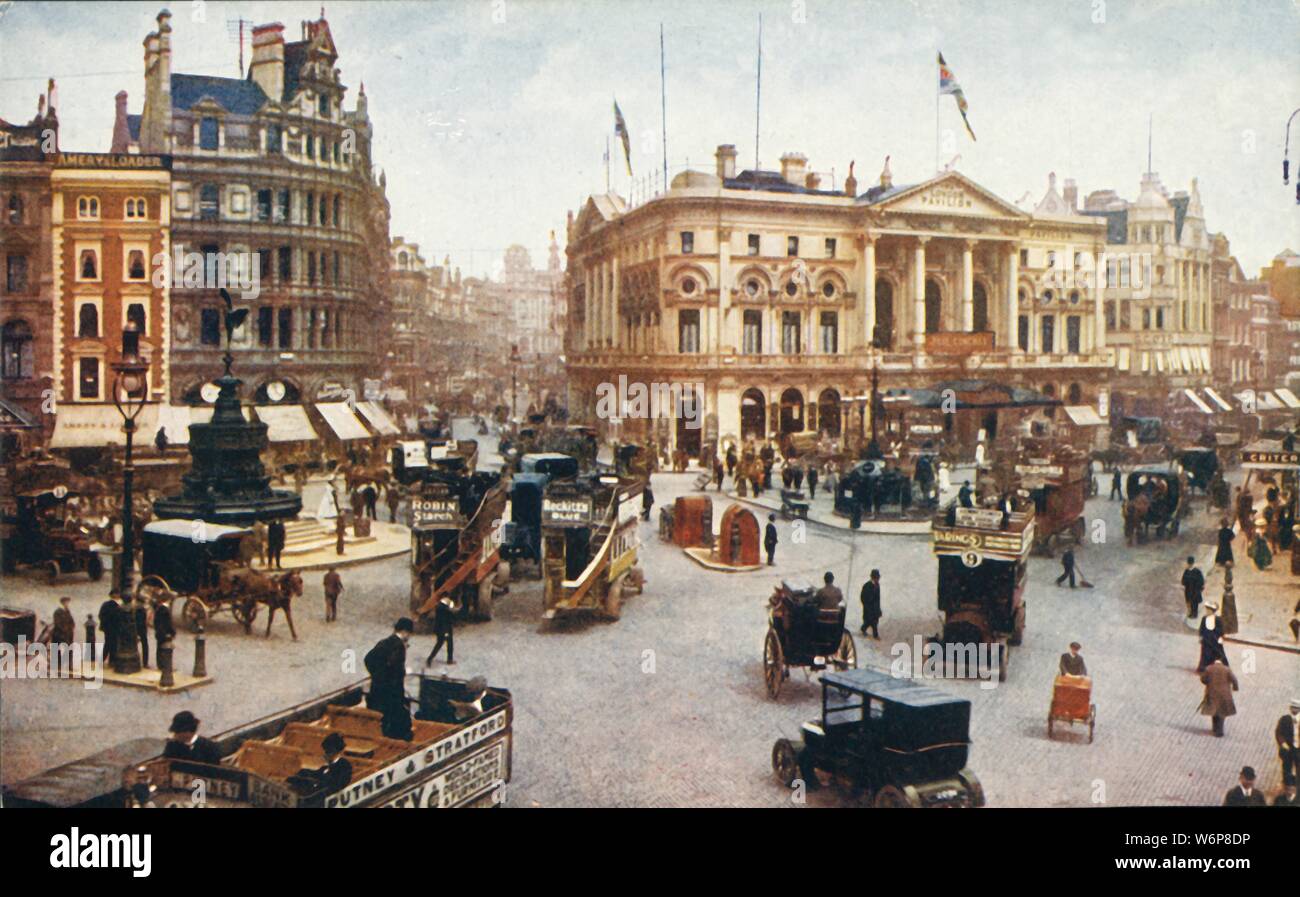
(785, 762)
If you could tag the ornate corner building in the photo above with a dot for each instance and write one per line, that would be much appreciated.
(273, 183)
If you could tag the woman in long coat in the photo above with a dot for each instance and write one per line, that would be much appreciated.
(1217, 703)
(1226, 535)
(1211, 631)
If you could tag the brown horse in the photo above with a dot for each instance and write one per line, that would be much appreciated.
(1135, 512)
(248, 588)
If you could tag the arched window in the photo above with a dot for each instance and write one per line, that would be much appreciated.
(87, 207)
(135, 265)
(1074, 394)
(89, 265)
(88, 321)
(16, 355)
(15, 209)
(135, 315)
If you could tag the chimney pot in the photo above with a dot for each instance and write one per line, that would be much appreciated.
(793, 166)
(726, 159)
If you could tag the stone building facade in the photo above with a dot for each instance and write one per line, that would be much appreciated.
(780, 298)
(272, 181)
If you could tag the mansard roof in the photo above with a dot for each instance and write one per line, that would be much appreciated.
(235, 95)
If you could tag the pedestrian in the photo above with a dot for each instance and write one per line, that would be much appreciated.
(1259, 550)
(1287, 798)
(770, 540)
(829, 596)
(1067, 567)
(1211, 632)
(340, 534)
(371, 496)
(259, 540)
(1246, 513)
(358, 504)
(718, 472)
(110, 617)
(444, 627)
(1193, 586)
(797, 476)
(160, 440)
(870, 599)
(140, 609)
(1072, 664)
(965, 496)
(64, 631)
(185, 742)
(394, 499)
(1217, 704)
(163, 628)
(386, 663)
(787, 476)
(336, 774)
(812, 481)
(1116, 484)
(1244, 794)
(1224, 553)
(275, 536)
(731, 461)
(647, 500)
(333, 584)
(1287, 736)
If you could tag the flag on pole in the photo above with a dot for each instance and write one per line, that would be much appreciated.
(948, 84)
(620, 129)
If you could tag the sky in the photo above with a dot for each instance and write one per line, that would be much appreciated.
(492, 116)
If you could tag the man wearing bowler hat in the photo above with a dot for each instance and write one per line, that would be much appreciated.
(336, 774)
(386, 663)
(1245, 795)
(186, 743)
(1287, 735)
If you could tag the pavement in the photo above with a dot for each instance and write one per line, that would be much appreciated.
(667, 707)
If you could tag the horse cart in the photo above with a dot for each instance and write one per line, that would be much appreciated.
(201, 563)
(1072, 703)
(802, 633)
(1156, 496)
(1058, 484)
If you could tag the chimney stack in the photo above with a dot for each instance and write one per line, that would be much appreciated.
(726, 157)
(793, 168)
(1071, 195)
(813, 180)
(267, 66)
(165, 50)
(121, 131)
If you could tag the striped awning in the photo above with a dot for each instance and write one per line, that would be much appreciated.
(378, 419)
(286, 423)
(1198, 401)
(1217, 399)
(341, 419)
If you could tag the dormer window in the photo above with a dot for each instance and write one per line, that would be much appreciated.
(274, 140)
(209, 131)
(323, 105)
(88, 207)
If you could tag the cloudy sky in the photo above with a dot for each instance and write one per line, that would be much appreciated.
(492, 115)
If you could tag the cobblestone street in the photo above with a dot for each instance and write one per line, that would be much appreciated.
(667, 707)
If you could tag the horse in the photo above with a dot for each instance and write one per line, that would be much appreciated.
(248, 588)
(1135, 512)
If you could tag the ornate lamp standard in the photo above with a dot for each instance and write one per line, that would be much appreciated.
(130, 392)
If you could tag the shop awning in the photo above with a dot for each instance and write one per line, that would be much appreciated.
(1083, 416)
(1122, 358)
(1287, 396)
(1217, 399)
(341, 419)
(1266, 401)
(286, 423)
(1185, 355)
(1198, 401)
(1206, 364)
(14, 417)
(378, 419)
(177, 419)
(98, 426)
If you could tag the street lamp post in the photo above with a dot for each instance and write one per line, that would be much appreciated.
(514, 361)
(130, 392)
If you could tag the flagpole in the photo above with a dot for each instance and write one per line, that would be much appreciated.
(758, 92)
(663, 98)
(937, 98)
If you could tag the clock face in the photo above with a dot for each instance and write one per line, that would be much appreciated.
(210, 391)
(275, 391)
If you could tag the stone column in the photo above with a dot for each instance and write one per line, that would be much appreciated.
(727, 331)
(918, 295)
(1098, 303)
(615, 317)
(588, 318)
(967, 287)
(1013, 311)
(868, 291)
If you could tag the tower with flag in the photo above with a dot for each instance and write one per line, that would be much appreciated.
(948, 84)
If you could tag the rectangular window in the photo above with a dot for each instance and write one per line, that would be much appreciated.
(311, 208)
(286, 264)
(791, 246)
(282, 210)
(16, 273)
(264, 265)
(311, 328)
(1110, 314)
(324, 212)
(209, 202)
(208, 133)
(89, 378)
(323, 105)
(325, 328)
(752, 332)
(688, 330)
(210, 327)
(337, 270)
(790, 343)
(753, 244)
(1125, 315)
(830, 333)
(274, 140)
(286, 328)
(688, 242)
(1072, 331)
(1048, 333)
(311, 268)
(1146, 319)
(1160, 319)
(830, 247)
(135, 314)
(1024, 258)
(263, 205)
(311, 147)
(265, 324)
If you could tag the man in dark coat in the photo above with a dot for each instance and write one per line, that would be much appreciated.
(110, 616)
(1287, 736)
(870, 598)
(1116, 484)
(965, 495)
(186, 743)
(829, 596)
(770, 540)
(274, 543)
(386, 664)
(1217, 704)
(731, 461)
(812, 481)
(1067, 567)
(1287, 798)
(163, 628)
(1244, 794)
(394, 499)
(444, 627)
(333, 584)
(1193, 586)
(1072, 664)
(64, 631)
(336, 774)
(647, 500)
(1224, 553)
(371, 496)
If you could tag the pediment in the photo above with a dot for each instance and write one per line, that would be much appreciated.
(952, 194)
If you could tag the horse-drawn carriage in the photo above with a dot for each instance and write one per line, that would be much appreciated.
(1058, 484)
(802, 633)
(202, 563)
(1156, 496)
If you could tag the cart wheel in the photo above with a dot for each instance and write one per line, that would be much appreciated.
(195, 613)
(890, 797)
(153, 588)
(773, 664)
(95, 568)
(614, 600)
(785, 762)
(1004, 660)
(52, 572)
(846, 656)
